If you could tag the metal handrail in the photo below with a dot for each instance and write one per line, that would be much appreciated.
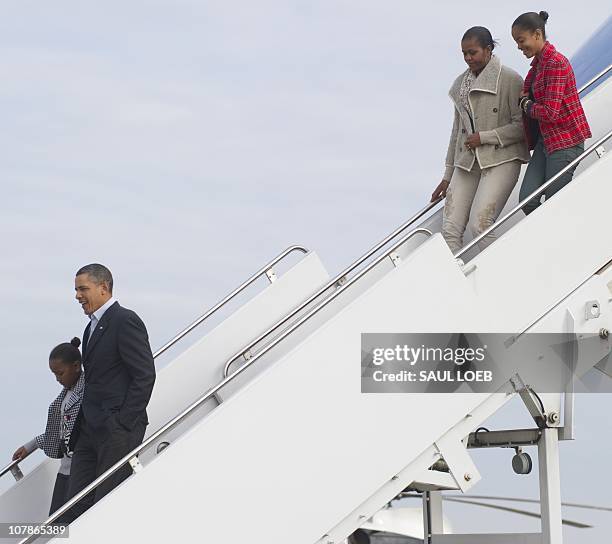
(537, 192)
(211, 392)
(13, 464)
(264, 269)
(229, 297)
(595, 79)
(334, 281)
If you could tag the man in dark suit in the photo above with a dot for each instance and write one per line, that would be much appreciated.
(119, 378)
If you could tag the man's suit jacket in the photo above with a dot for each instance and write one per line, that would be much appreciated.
(119, 371)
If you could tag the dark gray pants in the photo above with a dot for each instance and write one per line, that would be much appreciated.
(544, 166)
(60, 492)
(96, 451)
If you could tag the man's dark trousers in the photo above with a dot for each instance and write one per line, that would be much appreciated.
(95, 452)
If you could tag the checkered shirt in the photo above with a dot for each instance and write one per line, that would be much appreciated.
(557, 106)
(58, 430)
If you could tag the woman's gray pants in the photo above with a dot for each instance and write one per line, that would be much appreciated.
(544, 166)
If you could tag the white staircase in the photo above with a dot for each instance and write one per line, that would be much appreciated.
(300, 455)
(291, 451)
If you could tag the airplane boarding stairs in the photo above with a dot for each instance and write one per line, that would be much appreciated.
(188, 376)
(300, 455)
(294, 451)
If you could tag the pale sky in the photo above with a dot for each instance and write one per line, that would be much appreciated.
(184, 143)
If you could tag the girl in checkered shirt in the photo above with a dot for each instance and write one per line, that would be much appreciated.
(65, 364)
(555, 124)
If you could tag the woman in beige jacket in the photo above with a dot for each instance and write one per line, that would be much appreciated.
(487, 144)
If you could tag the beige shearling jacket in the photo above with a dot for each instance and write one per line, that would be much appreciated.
(493, 99)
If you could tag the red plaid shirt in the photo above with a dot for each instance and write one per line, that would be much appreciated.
(557, 106)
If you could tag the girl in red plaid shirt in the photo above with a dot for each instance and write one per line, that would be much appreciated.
(555, 124)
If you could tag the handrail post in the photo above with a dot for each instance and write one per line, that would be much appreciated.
(337, 281)
(17, 473)
(263, 270)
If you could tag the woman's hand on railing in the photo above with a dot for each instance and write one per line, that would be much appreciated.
(20, 454)
(440, 191)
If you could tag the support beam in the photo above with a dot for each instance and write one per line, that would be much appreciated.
(567, 431)
(433, 480)
(550, 487)
(432, 515)
(503, 538)
(504, 439)
(459, 461)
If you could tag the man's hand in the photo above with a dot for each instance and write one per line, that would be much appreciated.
(20, 454)
(440, 191)
(473, 141)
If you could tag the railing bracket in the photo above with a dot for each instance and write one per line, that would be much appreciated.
(135, 464)
(16, 472)
(395, 258)
(271, 275)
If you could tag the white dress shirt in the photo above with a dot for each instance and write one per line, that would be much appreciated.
(97, 315)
